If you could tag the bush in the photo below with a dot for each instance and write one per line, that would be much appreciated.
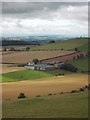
(21, 65)
(76, 49)
(81, 89)
(35, 61)
(21, 95)
(27, 48)
(78, 57)
(38, 96)
(73, 57)
(81, 56)
(69, 67)
(49, 94)
(74, 91)
(61, 93)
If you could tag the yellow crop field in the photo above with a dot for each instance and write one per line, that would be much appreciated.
(44, 86)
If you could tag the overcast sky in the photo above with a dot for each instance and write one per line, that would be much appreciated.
(40, 18)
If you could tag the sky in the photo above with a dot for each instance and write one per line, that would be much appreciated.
(41, 18)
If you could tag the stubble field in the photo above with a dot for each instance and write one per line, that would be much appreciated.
(44, 86)
(24, 57)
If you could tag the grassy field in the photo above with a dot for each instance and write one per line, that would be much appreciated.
(66, 45)
(81, 64)
(24, 75)
(56, 106)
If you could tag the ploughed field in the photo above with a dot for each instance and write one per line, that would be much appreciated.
(24, 57)
(43, 86)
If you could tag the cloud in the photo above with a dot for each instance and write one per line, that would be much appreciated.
(45, 18)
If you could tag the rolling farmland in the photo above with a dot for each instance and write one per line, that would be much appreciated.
(65, 45)
(24, 57)
(44, 86)
(57, 106)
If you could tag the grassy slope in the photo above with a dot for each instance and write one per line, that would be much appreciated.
(83, 47)
(58, 106)
(24, 75)
(81, 64)
(66, 45)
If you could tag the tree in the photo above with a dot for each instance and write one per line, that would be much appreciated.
(73, 57)
(35, 61)
(69, 67)
(12, 49)
(78, 57)
(52, 41)
(76, 49)
(4, 49)
(81, 56)
(27, 48)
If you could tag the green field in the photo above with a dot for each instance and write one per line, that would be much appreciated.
(81, 64)
(30, 74)
(64, 44)
(24, 75)
(56, 106)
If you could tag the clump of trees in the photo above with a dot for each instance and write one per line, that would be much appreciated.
(73, 57)
(21, 95)
(52, 41)
(69, 67)
(76, 49)
(27, 48)
(12, 49)
(35, 61)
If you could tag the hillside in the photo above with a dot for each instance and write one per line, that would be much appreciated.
(56, 106)
(81, 64)
(64, 44)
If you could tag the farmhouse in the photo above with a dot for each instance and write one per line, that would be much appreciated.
(43, 66)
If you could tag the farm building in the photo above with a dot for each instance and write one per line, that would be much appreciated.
(43, 66)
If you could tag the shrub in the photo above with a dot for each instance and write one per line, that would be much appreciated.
(27, 48)
(86, 86)
(38, 96)
(21, 95)
(78, 57)
(21, 65)
(74, 91)
(69, 67)
(49, 94)
(76, 49)
(73, 57)
(81, 56)
(61, 93)
(81, 89)
(35, 61)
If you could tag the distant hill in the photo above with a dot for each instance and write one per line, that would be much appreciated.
(71, 44)
(17, 42)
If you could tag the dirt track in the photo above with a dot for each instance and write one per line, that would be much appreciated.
(45, 86)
